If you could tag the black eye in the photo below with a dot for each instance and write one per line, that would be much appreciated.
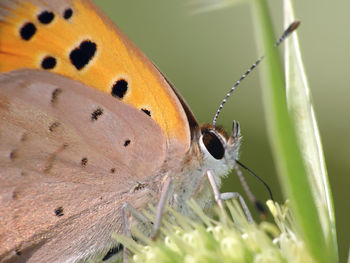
(213, 145)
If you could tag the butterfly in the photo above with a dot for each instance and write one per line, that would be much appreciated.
(88, 123)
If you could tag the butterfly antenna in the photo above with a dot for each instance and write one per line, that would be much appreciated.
(285, 34)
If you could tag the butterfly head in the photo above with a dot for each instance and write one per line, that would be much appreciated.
(217, 147)
(212, 149)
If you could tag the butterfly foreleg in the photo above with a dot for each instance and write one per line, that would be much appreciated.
(215, 189)
(219, 197)
(236, 195)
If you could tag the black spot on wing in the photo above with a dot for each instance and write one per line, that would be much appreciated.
(84, 161)
(27, 31)
(67, 13)
(146, 111)
(96, 114)
(119, 88)
(46, 17)
(15, 195)
(126, 143)
(53, 126)
(112, 170)
(59, 211)
(81, 56)
(13, 155)
(55, 94)
(24, 137)
(48, 62)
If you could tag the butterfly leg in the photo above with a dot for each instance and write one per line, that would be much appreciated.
(166, 189)
(215, 188)
(141, 218)
(219, 197)
(236, 195)
(126, 226)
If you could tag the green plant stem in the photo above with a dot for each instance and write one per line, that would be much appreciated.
(291, 169)
(300, 107)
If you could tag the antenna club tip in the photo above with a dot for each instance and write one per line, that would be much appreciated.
(294, 26)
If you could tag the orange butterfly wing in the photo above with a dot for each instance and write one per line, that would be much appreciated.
(75, 39)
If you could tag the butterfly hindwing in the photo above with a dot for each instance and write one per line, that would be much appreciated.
(70, 156)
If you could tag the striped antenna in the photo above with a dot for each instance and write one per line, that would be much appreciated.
(285, 34)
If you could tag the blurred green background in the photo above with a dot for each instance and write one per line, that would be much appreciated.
(204, 54)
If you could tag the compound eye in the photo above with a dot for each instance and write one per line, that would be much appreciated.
(213, 145)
